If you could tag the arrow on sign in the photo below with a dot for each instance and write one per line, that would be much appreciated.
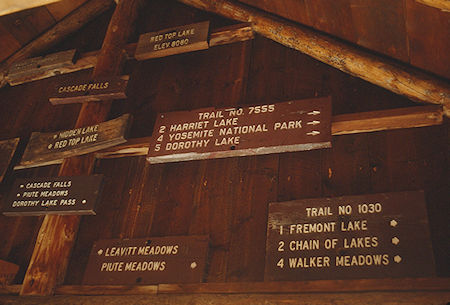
(313, 123)
(314, 112)
(395, 240)
(313, 133)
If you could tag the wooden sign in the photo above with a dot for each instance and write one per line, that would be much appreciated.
(251, 130)
(33, 68)
(53, 147)
(7, 150)
(365, 236)
(54, 195)
(179, 259)
(8, 272)
(171, 41)
(80, 91)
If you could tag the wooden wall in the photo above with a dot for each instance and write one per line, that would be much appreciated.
(403, 29)
(226, 198)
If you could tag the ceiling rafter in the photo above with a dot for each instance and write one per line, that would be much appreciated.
(400, 79)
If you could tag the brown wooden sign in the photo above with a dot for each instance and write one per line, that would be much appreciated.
(54, 195)
(178, 259)
(171, 41)
(53, 147)
(31, 68)
(7, 150)
(8, 272)
(364, 236)
(80, 91)
(251, 130)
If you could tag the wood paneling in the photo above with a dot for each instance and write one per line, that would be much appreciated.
(428, 33)
(403, 29)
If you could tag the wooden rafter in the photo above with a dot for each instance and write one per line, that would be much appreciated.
(443, 5)
(402, 80)
(57, 235)
(70, 24)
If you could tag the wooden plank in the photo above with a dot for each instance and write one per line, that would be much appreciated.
(382, 298)
(363, 236)
(7, 150)
(414, 84)
(48, 264)
(227, 132)
(341, 124)
(94, 90)
(29, 69)
(188, 38)
(53, 147)
(143, 261)
(76, 195)
(386, 120)
(405, 284)
(8, 272)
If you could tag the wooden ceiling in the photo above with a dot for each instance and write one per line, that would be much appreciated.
(406, 30)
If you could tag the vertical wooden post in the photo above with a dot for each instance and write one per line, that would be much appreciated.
(57, 235)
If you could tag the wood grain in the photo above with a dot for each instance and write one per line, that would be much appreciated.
(414, 84)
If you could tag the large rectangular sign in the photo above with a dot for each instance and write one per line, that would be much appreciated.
(153, 260)
(92, 90)
(364, 236)
(251, 130)
(54, 195)
(171, 41)
(7, 150)
(53, 147)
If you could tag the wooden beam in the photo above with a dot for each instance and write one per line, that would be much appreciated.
(379, 298)
(443, 5)
(221, 36)
(403, 80)
(419, 116)
(70, 24)
(57, 234)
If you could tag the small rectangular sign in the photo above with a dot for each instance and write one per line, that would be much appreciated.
(210, 133)
(365, 236)
(174, 40)
(7, 150)
(153, 260)
(53, 147)
(33, 68)
(8, 272)
(81, 90)
(54, 195)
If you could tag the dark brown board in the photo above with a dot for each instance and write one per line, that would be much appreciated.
(53, 147)
(174, 40)
(75, 195)
(82, 90)
(8, 272)
(364, 236)
(210, 133)
(30, 68)
(7, 149)
(177, 259)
